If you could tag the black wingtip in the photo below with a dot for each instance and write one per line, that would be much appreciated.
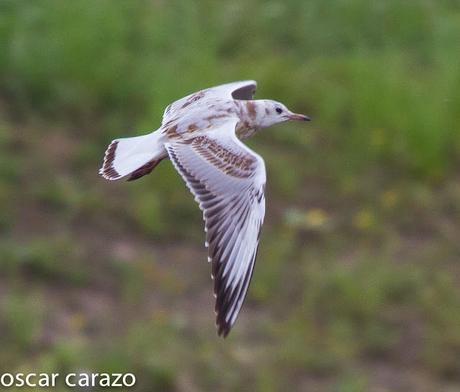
(223, 330)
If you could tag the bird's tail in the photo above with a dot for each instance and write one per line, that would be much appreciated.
(132, 156)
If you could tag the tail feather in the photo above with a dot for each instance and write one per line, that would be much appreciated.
(107, 170)
(143, 170)
(133, 157)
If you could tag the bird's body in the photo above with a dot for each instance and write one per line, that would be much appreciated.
(199, 134)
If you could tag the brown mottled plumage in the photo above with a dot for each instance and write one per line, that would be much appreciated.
(199, 134)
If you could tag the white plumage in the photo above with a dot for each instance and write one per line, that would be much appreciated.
(199, 134)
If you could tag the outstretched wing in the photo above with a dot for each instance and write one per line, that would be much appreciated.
(228, 181)
(236, 90)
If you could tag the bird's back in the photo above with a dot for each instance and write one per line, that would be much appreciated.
(198, 117)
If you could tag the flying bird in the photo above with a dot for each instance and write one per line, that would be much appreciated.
(201, 134)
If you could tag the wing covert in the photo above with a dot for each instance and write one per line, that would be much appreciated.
(236, 90)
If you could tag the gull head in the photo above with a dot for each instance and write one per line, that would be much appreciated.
(275, 112)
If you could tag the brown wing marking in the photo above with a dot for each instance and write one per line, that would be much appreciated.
(108, 171)
(193, 98)
(144, 169)
(236, 165)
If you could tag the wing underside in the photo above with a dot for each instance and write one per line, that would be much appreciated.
(228, 181)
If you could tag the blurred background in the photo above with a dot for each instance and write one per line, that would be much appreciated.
(357, 284)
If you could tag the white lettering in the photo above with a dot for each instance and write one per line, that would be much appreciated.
(83, 380)
(116, 382)
(94, 378)
(72, 380)
(67, 379)
(53, 379)
(133, 379)
(28, 377)
(47, 380)
(104, 380)
(30, 380)
(19, 380)
(8, 383)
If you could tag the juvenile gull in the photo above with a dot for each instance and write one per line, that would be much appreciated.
(200, 134)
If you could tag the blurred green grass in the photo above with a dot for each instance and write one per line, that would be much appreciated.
(357, 282)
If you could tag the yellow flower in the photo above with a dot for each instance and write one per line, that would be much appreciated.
(364, 219)
(316, 217)
(389, 199)
(78, 321)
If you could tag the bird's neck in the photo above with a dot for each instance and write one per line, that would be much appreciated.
(252, 113)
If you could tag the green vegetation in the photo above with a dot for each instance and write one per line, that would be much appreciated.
(357, 285)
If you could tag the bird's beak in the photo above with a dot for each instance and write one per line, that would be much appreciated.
(298, 117)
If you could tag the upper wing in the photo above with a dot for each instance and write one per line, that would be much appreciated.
(236, 90)
(228, 181)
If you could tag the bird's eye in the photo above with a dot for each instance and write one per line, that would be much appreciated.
(279, 110)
